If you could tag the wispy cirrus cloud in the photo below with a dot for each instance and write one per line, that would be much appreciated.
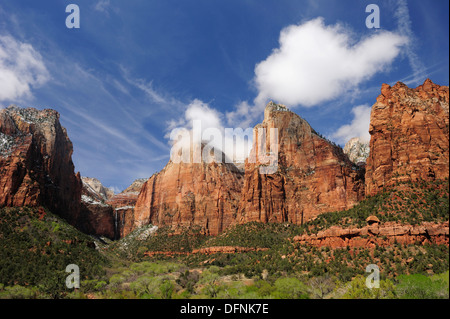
(102, 5)
(22, 68)
(404, 28)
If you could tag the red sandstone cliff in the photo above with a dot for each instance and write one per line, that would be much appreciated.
(36, 163)
(124, 204)
(313, 175)
(191, 194)
(382, 235)
(37, 170)
(409, 140)
(409, 131)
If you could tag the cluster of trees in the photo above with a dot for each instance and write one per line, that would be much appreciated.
(256, 234)
(36, 248)
(165, 239)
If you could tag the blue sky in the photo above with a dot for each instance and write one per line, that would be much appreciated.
(136, 69)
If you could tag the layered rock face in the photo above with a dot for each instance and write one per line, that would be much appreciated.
(135, 187)
(124, 204)
(36, 163)
(191, 194)
(378, 235)
(409, 131)
(313, 176)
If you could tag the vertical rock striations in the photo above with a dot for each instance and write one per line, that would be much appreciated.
(409, 131)
(124, 204)
(313, 176)
(36, 163)
(191, 194)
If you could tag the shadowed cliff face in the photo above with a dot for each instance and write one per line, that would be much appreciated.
(409, 135)
(124, 204)
(313, 175)
(36, 163)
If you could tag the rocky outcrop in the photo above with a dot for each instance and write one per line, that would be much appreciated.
(206, 251)
(98, 216)
(37, 170)
(357, 150)
(191, 194)
(36, 163)
(226, 250)
(135, 187)
(124, 204)
(409, 131)
(312, 176)
(375, 234)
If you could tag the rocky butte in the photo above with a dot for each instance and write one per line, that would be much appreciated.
(37, 170)
(313, 176)
(191, 194)
(409, 131)
(357, 150)
(95, 187)
(36, 163)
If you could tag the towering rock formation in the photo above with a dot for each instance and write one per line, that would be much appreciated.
(409, 131)
(36, 163)
(313, 175)
(37, 170)
(191, 194)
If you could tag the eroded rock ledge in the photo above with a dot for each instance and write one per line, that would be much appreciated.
(376, 234)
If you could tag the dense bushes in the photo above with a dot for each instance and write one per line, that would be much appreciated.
(419, 286)
(36, 247)
(256, 234)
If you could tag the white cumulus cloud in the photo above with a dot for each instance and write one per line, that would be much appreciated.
(316, 63)
(200, 118)
(21, 69)
(359, 127)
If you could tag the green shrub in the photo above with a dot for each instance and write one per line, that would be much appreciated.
(18, 292)
(419, 286)
(358, 290)
(290, 288)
